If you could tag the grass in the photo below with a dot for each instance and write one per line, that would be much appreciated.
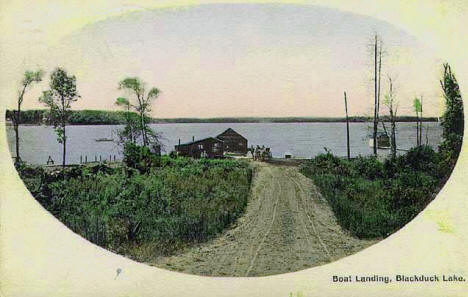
(373, 199)
(143, 215)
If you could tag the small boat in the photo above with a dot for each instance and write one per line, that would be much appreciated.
(383, 141)
(103, 139)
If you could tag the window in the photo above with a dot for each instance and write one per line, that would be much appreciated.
(200, 146)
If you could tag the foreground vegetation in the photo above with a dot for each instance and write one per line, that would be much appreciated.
(144, 211)
(373, 199)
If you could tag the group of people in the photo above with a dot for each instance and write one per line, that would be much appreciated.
(260, 153)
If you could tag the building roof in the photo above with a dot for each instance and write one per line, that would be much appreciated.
(230, 132)
(200, 140)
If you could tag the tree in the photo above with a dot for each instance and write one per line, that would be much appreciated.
(58, 98)
(389, 101)
(143, 106)
(452, 120)
(347, 127)
(377, 75)
(130, 132)
(417, 105)
(29, 78)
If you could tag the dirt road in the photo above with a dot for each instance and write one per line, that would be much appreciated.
(287, 227)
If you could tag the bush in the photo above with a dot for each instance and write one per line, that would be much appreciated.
(374, 199)
(140, 157)
(368, 167)
(422, 158)
(184, 201)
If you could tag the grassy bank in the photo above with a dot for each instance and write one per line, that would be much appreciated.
(142, 215)
(374, 199)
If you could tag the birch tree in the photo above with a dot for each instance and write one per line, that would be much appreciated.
(58, 98)
(137, 89)
(29, 78)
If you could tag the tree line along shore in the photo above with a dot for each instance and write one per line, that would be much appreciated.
(105, 117)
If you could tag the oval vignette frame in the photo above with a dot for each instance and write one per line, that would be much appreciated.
(33, 242)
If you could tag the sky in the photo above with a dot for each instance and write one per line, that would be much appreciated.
(222, 60)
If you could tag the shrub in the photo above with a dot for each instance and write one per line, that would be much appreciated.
(374, 199)
(368, 167)
(184, 201)
(140, 157)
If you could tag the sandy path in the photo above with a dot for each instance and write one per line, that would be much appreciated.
(287, 227)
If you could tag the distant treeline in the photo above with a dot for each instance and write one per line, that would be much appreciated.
(287, 120)
(102, 117)
(77, 117)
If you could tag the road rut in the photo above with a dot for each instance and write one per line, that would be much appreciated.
(287, 227)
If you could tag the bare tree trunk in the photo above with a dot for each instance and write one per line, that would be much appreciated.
(64, 146)
(417, 128)
(143, 129)
(16, 120)
(420, 122)
(378, 85)
(375, 97)
(393, 133)
(347, 127)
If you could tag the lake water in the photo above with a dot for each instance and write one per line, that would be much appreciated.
(37, 143)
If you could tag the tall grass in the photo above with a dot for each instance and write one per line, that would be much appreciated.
(182, 201)
(374, 199)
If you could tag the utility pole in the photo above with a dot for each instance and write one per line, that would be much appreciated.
(375, 96)
(347, 126)
(420, 122)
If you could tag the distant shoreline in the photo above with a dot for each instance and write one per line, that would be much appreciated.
(102, 117)
(283, 120)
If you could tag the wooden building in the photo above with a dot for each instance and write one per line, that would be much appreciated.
(204, 148)
(233, 142)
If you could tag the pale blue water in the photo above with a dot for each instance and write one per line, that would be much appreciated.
(300, 139)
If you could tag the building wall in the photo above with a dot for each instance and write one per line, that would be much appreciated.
(234, 143)
(209, 148)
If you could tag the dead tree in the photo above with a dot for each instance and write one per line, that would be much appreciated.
(347, 126)
(377, 78)
(375, 96)
(392, 110)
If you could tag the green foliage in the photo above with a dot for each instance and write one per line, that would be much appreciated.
(140, 157)
(417, 105)
(77, 117)
(452, 119)
(374, 199)
(137, 88)
(58, 99)
(28, 78)
(180, 202)
(368, 167)
(99, 117)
